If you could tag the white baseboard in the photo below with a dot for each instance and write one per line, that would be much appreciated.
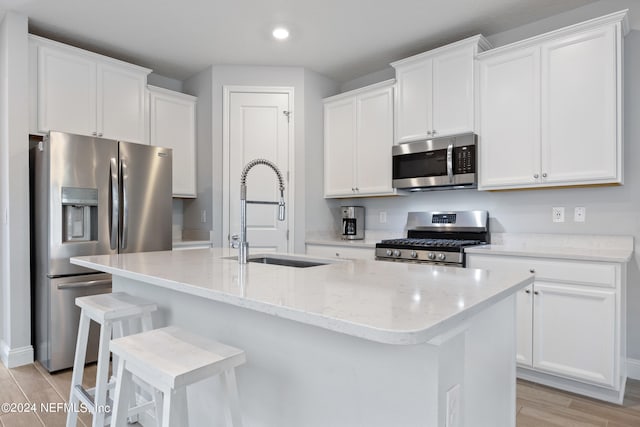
(14, 357)
(633, 369)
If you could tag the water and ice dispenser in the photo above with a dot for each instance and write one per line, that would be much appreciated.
(79, 214)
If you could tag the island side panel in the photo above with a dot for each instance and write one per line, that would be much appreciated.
(298, 374)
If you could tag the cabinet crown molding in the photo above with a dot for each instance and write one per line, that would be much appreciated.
(621, 17)
(360, 90)
(479, 41)
(41, 41)
(173, 93)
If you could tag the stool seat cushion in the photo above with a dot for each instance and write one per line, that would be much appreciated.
(117, 305)
(172, 357)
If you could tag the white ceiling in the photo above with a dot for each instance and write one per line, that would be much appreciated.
(342, 39)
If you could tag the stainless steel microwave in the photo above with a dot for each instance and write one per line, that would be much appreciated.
(436, 164)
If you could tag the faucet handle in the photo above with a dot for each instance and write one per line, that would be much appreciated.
(235, 241)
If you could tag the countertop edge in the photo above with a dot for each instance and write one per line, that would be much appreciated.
(370, 333)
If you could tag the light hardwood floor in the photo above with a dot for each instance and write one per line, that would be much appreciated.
(538, 406)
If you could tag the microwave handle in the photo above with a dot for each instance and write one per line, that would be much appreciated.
(450, 162)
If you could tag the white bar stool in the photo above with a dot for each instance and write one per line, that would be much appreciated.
(169, 359)
(113, 312)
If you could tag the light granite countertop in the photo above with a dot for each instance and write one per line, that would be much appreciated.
(563, 246)
(393, 303)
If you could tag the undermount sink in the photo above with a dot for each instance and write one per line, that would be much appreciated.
(287, 261)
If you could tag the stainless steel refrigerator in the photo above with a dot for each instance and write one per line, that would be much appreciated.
(89, 196)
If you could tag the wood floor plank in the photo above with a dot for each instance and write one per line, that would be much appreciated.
(559, 416)
(615, 413)
(10, 393)
(528, 392)
(21, 420)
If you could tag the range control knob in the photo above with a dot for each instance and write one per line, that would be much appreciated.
(396, 253)
(431, 255)
(414, 254)
(389, 252)
(442, 257)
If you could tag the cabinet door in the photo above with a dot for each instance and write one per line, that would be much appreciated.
(509, 122)
(339, 147)
(121, 103)
(580, 143)
(413, 101)
(453, 92)
(575, 332)
(66, 92)
(374, 136)
(172, 125)
(524, 313)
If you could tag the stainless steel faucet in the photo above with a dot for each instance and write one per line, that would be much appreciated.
(244, 245)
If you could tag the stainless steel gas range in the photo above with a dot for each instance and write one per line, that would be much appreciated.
(437, 238)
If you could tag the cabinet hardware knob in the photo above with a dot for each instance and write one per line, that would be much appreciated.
(428, 132)
(433, 132)
(357, 189)
(544, 175)
(94, 133)
(536, 292)
(527, 291)
(353, 189)
(535, 175)
(532, 270)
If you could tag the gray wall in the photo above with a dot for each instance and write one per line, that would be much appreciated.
(15, 309)
(201, 85)
(610, 210)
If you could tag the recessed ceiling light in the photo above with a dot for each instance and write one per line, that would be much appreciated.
(280, 33)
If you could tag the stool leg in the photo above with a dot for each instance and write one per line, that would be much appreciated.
(174, 408)
(147, 323)
(157, 402)
(122, 397)
(78, 368)
(102, 375)
(233, 414)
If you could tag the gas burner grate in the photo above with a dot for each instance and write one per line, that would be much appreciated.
(432, 243)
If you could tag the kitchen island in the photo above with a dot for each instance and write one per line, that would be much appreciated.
(349, 343)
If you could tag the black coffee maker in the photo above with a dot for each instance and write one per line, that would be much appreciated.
(352, 222)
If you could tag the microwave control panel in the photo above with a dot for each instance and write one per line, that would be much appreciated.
(464, 159)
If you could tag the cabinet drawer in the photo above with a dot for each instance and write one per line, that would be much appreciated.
(589, 273)
(340, 252)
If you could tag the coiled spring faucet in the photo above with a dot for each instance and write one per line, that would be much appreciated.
(244, 245)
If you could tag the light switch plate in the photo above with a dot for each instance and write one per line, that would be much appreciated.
(580, 214)
(382, 217)
(557, 214)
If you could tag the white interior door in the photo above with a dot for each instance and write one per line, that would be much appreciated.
(259, 128)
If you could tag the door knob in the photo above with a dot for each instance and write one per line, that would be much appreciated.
(535, 175)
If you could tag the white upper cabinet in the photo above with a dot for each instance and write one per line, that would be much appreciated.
(172, 121)
(358, 136)
(84, 93)
(550, 108)
(121, 103)
(435, 91)
(510, 119)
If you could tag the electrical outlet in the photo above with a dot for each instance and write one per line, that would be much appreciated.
(557, 214)
(453, 407)
(580, 214)
(203, 216)
(382, 217)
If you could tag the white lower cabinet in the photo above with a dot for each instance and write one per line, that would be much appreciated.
(570, 322)
(341, 252)
(574, 332)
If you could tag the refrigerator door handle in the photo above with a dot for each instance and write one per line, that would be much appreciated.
(114, 204)
(125, 204)
(88, 284)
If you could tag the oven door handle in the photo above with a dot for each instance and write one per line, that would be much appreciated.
(450, 162)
